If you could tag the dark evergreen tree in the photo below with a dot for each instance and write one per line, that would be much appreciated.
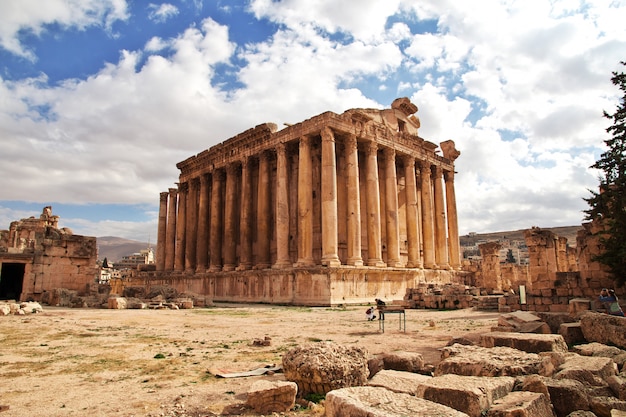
(608, 204)
(510, 259)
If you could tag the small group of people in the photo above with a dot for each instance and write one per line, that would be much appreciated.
(611, 302)
(369, 313)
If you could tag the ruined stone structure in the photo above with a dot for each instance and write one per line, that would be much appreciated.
(338, 208)
(36, 256)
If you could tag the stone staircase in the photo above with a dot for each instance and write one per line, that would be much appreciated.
(487, 302)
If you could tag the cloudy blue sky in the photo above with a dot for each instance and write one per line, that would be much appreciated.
(99, 99)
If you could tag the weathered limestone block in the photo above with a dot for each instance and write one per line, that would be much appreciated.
(604, 328)
(117, 303)
(598, 349)
(580, 413)
(135, 304)
(375, 364)
(618, 413)
(497, 361)
(325, 366)
(522, 404)
(31, 307)
(272, 396)
(515, 319)
(398, 381)
(531, 343)
(566, 395)
(590, 370)
(403, 361)
(472, 395)
(602, 406)
(5, 309)
(618, 386)
(578, 306)
(571, 333)
(380, 402)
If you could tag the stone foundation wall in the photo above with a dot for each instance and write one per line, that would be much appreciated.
(318, 286)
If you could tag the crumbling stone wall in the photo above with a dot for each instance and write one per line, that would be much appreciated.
(53, 257)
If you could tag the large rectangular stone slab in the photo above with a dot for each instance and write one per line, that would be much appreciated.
(398, 381)
(472, 395)
(498, 361)
(522, 404)
(380, 402)
(527, 342)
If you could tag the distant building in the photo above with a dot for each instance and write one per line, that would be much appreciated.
(36, 256)
(144, 257)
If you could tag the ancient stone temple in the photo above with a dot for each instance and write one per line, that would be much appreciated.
(37, 256)
(338, 208)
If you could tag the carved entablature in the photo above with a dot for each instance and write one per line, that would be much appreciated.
(396, 128)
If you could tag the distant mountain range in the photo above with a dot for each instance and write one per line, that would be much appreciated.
(114, 248)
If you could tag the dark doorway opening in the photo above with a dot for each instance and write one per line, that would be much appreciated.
(11, 280)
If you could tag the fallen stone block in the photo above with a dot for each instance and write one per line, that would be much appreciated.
(571, 333)
(31, 307)
(117, 303)
(522, 404)
(380, 402)
(598, 349)
(618, 413)
(603, 406)
(538, 327)
(578, 306)
(566, 395)
(554, 320)
(531, 343)
(398, 381)
(497, 361)
(272, 396)
(518, 317)
(590, 370)
(581, 413)
(5, 310)
(604, 328)
(618, 386)
(403, 361)
(472, 395)
(322, 367)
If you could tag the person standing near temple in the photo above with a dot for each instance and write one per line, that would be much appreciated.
(611, 302)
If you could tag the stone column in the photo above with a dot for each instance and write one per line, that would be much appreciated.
(374, 248)
(217, 215)
(441, 244)
(181, 229)
(453, 223)
(427, 216)
(264, 214)
(412, 224)
(191, 226)
(161, 232)
(391, 216)
(330, 240)
(245, 222)
(230, 219)
(202, 253)
(282, 209)
(170, 235)
(305, 204)
(354, 202)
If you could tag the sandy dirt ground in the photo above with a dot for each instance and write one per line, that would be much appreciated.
(89, 362)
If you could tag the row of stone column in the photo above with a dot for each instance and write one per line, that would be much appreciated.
(184, 243)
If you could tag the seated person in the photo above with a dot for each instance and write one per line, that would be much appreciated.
(369, 313)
